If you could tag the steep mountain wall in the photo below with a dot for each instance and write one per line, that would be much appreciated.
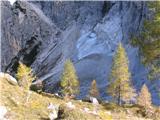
(44, 34)
(25, 31)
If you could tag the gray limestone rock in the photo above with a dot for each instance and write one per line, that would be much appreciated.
(44, 34)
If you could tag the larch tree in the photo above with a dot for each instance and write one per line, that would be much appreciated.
(69, 80)
(93, 92)
(144, 98)
(24, 76)
(120, 83)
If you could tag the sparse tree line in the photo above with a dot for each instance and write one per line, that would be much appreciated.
(120, 86)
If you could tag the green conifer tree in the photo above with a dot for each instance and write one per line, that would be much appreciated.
(120, 85)
(69, 80)
(94, 90)
(149, 41)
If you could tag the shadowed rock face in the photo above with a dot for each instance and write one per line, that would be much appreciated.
(62, 13)
(86, 32)
(23, 30)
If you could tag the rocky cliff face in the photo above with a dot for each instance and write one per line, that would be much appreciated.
(44, 34)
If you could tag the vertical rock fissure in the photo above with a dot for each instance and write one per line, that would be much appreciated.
(26, 55)
(106, 8)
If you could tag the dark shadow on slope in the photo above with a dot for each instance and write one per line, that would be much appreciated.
(26, 55)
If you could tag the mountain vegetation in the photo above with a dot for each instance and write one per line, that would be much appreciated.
(149, 41)
(94, 92)
(69, 80)
(13, 98)
(144, 98)
(25, 76)
(120, 80)
(94, 37)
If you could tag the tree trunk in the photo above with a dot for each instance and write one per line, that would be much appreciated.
(119, 95)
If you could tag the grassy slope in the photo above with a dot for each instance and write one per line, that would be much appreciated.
(14, 97)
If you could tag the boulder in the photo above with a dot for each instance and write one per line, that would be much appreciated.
(9, 78)
(70, 105)
(94, 100)
(37, 86)
(53, 111)
(3, 111)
